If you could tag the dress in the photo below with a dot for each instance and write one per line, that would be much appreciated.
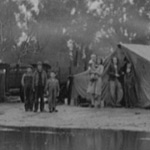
(98, 83)
(92, 78)
(95, 83)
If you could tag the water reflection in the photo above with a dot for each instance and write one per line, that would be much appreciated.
(59, 139)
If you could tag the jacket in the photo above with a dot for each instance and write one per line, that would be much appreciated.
(36, 78)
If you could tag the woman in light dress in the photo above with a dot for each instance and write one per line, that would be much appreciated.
(95, 83)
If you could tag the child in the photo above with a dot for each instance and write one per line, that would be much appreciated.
(53, 92)
(27, 83)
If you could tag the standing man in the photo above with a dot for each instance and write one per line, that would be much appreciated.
(115, 86)
(40, 79)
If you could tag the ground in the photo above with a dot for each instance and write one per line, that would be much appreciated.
(13, 114)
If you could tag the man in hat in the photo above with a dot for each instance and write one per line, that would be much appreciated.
(27, 84)
(40, 79)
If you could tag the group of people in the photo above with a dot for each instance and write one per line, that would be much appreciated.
(121, 80)
(37, 84)
(122, 83)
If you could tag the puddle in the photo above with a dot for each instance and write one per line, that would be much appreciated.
(30, 138)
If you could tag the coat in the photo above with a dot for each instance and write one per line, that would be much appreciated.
(36, 78)
(52, 87)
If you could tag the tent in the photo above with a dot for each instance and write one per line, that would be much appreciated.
(139, 56)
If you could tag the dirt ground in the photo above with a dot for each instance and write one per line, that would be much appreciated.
(13, 114)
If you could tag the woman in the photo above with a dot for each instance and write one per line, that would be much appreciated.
(115, 86)
(95, 83)
(92, 79)
(98, 83)
(129, 86)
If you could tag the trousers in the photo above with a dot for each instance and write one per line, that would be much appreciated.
(39, 94)
(28, 93)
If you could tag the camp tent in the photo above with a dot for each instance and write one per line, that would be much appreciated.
(139, 56)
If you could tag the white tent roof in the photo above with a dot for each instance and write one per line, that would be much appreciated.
(141, 50)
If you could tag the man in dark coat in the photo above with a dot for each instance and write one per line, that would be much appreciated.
(115, 85)
(40, 79)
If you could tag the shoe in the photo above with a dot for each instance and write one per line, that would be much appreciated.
(50, 111)
(92, 106)
(35, 110)
(55, 110)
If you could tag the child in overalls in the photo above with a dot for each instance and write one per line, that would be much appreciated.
(27, 83)
(52, 91)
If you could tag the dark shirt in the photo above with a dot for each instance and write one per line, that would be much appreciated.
(112, 73)
(40, 79)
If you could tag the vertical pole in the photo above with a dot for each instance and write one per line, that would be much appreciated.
(1, 29)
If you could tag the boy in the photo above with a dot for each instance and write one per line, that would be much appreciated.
(27, 83)
(53, 91)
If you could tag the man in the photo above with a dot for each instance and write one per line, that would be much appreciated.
(40, 79)
(115, 86)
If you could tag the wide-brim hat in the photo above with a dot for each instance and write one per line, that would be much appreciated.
(39, 63)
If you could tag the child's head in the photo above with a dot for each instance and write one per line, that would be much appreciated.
(29, 70)
(99, 61)
(93, 57)
(52, 74)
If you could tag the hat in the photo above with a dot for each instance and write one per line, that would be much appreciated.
(39, 63)
(30, 66)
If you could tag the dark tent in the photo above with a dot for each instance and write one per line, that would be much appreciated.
(139, 56)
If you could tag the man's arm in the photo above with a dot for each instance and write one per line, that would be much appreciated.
(22, 80)
(58, 87)
(45, 79)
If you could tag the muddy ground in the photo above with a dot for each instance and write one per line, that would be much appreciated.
(13, 114)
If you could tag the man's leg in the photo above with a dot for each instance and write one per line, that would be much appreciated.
(119, 93)
(112, 91)
(31, 100)
(42, 99)
(36, 102)
(25, 99)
